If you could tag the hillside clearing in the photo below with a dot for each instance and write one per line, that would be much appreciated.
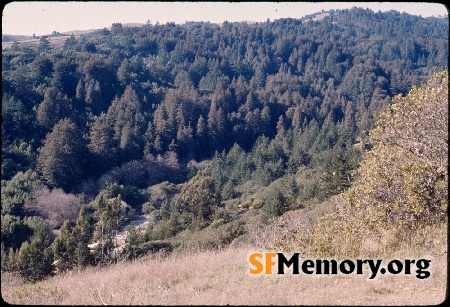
(220, 278)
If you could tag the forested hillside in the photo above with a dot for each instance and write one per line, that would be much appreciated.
(207, 129)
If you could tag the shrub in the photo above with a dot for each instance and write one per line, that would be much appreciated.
(53, 205)
(402, 185)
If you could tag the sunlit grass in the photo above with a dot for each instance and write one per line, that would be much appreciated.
(222, 277)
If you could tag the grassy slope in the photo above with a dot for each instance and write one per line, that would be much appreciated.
(55, 42)
(222, 277)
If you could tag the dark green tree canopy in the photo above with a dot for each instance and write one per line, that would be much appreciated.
(61, 158)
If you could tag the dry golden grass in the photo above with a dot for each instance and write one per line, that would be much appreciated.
(221, 277)
(55, 42)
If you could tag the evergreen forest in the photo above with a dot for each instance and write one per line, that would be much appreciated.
(212, 132)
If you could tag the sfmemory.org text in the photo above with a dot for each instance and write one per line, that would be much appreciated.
(264, 263)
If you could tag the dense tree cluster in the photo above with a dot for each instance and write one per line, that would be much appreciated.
(221, 109)
(198, 88)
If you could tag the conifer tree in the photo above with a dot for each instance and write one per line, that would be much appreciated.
(52, 109)
(201, 148)
(108, 221)
(60, 159)
(275, 205)
(82, 235)
(132, 242)
(80, 93)
(34, 259)
(102, 145)
(127, 122)
(8, 260)
(12, 262)
(338, 170)
(94, 98)
(64, 248)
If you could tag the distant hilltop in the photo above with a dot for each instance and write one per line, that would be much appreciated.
(56, 38)
(12, 38)
(21, 37)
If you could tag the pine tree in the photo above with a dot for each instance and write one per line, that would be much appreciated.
(80, 97)
(124, 73)
(337, 175)
(35, 259)
(108, 221)
(12, 262)
(23, 259)
(44, 44)
(94, 97)
(127, 121)
(201, 148)
(82, 230)
(102, 145)
(274, 205)
(64, 248)
(281, 125)
(80, 93)
(217, 128)
(55, 107)
(82, 235)
(265, 119)
(186, 142)
(60, 159)
(149, 138)
(8, 260)
(157, 145)
(132, 242)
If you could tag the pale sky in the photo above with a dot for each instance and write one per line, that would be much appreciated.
(41, 18)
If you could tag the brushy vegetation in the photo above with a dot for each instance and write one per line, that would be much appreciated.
(402, 185)
(221, 277)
